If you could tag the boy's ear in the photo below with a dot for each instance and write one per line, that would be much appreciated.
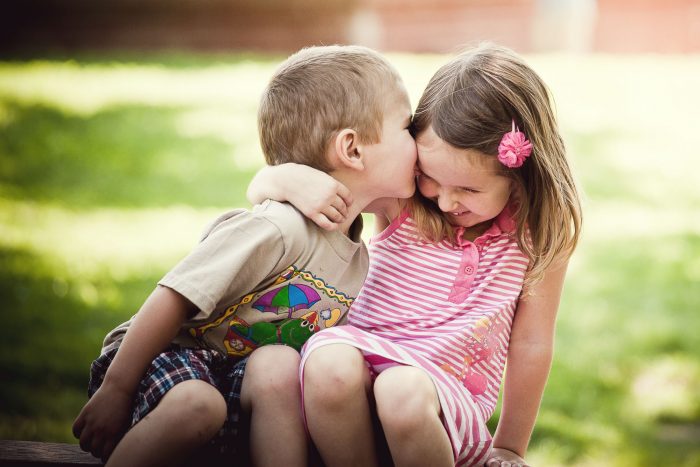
(347, 150)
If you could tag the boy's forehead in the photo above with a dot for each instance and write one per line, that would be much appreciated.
(398, 100)
(396, 90)
(397, 105)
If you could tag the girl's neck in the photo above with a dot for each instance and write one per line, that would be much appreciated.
(473, 232)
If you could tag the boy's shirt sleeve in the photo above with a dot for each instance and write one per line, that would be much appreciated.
(239, 252)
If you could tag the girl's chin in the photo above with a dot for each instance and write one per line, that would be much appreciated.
(463, 220)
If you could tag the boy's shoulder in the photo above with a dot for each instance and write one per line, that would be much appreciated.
(268, 214)
(282, 222)
(278, 212)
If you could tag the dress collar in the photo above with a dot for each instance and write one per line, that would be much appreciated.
(503, 223)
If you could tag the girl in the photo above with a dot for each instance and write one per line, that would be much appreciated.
(466, 273)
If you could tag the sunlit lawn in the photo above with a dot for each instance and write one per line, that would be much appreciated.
(110, 168)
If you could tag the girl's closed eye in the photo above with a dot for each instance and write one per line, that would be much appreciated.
(469, 190)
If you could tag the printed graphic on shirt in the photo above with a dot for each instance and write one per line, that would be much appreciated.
(243, 338)
(482, 344)
(287, 299)
(297, 305)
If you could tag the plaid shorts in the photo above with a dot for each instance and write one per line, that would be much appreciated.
(178, 364)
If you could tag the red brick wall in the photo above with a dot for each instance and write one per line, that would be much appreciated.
(444, 25)
(648, 26)
(389, 25)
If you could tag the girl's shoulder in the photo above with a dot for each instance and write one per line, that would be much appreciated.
(386, 211)
(390, 227)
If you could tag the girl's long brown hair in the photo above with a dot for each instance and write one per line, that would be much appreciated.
(470, 103)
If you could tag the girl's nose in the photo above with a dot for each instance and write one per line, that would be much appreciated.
(446, 202)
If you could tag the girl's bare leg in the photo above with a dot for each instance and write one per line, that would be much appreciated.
(336, 387)
(409, 411)
(271, 394)
(187, 417)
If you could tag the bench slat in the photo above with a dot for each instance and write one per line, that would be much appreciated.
(40, 454)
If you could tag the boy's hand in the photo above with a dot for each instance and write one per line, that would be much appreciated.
(500, 457)
(103, 421)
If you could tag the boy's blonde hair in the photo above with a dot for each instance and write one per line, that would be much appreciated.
(470, 103)
(319, 91)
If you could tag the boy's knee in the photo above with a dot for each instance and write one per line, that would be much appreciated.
(273, 370)
(404, 396)
(197, 406)
(334, 372)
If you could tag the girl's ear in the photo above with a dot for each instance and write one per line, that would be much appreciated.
(347, 150)
(517, 193)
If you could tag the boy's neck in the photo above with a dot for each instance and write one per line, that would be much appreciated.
(359, 197)
(352, 214)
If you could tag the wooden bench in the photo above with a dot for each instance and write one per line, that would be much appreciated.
(38, 454)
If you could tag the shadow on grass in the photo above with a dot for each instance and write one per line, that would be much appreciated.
(48, 339)
(631, 305)
(132, 156)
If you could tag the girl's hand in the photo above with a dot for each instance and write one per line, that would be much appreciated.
(318, 196)
(500, 457)
(323, 199)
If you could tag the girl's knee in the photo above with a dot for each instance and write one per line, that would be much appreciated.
(333, 372)
(405, 396)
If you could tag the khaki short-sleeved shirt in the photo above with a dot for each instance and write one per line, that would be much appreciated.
(266, 276)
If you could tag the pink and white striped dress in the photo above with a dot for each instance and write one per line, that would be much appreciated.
(445, 308)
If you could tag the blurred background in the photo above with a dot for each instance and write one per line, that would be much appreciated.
(125, 126)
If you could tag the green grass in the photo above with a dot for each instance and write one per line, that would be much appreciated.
(110, 166)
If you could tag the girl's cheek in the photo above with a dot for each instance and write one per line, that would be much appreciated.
(426, 189)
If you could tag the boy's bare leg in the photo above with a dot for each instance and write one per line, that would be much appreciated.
(409, 411)
(271, 394)
(336, 386)
(187, 417)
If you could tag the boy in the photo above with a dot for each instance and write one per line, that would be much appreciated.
(193, 359)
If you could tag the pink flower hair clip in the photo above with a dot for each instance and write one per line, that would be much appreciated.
(514, 148)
